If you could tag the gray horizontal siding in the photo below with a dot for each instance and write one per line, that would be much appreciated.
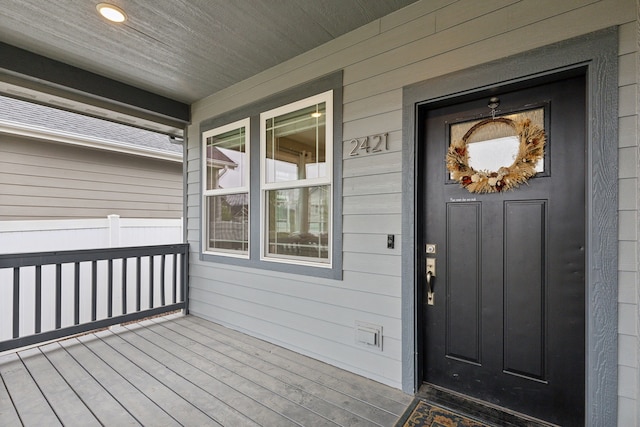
(299, 303)
(628, 252)
(372, 165)
(46, 180)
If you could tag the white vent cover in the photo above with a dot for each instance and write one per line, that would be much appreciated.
(369, 335)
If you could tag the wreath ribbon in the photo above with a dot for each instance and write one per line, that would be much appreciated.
(532, 139)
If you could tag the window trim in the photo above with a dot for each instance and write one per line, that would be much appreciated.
(246, 123)
(326, 98)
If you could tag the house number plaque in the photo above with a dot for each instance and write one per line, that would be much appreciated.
(369, 144)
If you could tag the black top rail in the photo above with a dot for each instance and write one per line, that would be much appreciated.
(65, 257)
(83, 290)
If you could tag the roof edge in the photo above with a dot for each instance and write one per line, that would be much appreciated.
(39, 133)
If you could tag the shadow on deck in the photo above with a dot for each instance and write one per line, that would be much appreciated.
(183, 370)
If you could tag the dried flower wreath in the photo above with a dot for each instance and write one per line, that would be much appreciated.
(530, 150)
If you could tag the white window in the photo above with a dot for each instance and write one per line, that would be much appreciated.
(296, 147)
(226, 190)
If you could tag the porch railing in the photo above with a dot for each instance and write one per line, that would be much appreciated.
(50, 295)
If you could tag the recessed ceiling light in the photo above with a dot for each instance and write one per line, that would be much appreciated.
(111, 12)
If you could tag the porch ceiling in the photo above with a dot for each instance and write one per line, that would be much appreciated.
(184, 50)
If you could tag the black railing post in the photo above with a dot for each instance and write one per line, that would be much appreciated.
(16, 302)
(58, 296)
(162, 273)
(175, 278)
(38, 307)
(76, 293)
(110, 288)
(185, 280)
(124, 286)
(94, 290)
(151, 281)
(138, 282)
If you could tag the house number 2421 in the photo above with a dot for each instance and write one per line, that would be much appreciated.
(369, 144)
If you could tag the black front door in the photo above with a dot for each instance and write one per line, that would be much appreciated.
(507, 324)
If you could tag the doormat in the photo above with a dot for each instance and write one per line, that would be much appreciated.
(427, 415)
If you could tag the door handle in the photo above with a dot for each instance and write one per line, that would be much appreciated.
(430, 299)
(431, 273)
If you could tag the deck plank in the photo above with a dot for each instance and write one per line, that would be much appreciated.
(99, 401)
(143, 409)
(8, 414)
(30, 404)
(62, 399)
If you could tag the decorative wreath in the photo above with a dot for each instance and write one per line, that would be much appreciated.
(530, 150)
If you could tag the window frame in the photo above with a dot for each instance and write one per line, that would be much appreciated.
(326, 98)
(252, 107)
(205, 194)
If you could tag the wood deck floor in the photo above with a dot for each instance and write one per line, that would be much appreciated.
(184, 371)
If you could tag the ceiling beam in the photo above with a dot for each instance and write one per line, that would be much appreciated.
(41, 73)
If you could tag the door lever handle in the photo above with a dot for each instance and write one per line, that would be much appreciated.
(431, 273)
(430, 296)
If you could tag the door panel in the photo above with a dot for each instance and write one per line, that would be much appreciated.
(463, 299)
(508, 322)
(524, 289)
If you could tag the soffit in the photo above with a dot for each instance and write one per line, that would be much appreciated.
(184, 50)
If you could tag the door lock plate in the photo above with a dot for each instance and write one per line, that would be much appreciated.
(431, 266)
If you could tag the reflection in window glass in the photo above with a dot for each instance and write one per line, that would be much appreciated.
(295, 145)
(298, 222)
(228, 228)
(492, 154)
(227, 160)
(296, 181)
(226, 189)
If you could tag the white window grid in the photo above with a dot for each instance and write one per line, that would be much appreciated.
(327, 180)
(246, 188)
